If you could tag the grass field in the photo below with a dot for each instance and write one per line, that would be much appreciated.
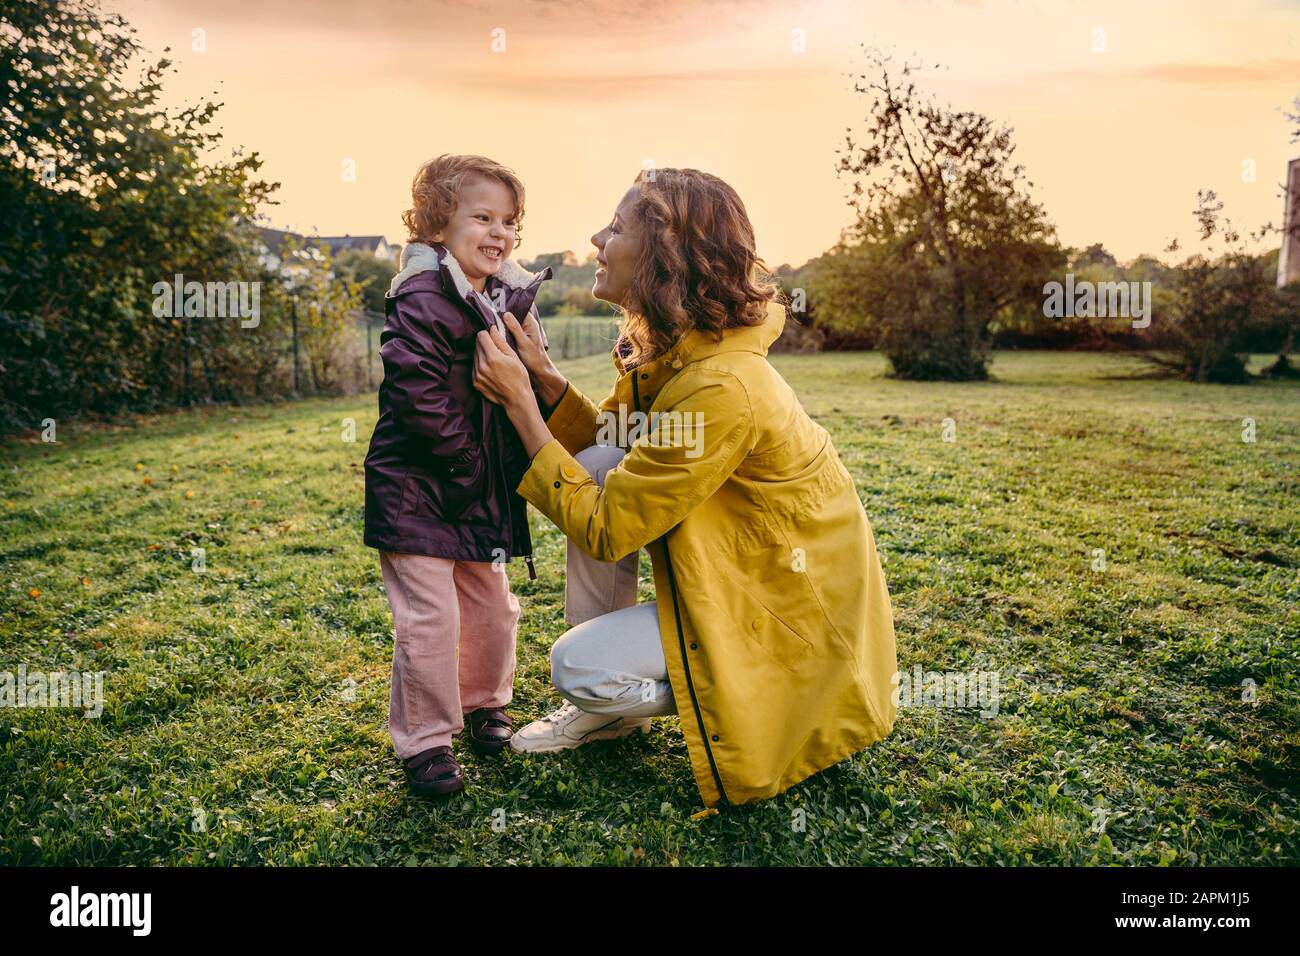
(246, 706)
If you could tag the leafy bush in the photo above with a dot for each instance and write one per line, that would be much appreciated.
(946, 239)
(1220, 298)
(106, 198)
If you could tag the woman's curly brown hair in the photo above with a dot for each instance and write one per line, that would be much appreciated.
(698, 268)
(436, 190)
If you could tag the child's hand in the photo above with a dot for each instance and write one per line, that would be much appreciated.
(498, 372)
(532, 347)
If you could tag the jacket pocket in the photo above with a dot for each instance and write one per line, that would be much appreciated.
(446, 499)
(759, 624)
(464, 493)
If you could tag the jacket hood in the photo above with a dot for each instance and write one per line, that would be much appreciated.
(420, 257)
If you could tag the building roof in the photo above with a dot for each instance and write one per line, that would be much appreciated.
(275, 238)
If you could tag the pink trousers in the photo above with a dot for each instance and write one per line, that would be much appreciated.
(454, 647)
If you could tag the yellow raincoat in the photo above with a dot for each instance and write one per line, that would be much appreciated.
(775, 619)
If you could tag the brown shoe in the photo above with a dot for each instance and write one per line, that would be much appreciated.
(489, 729)
(434, 773)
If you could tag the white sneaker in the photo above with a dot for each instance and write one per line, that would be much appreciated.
(571, 727)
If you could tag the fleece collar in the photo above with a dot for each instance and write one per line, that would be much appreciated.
(423, 257)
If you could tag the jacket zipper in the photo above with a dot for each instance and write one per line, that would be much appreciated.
(496, 436)
(513, 526)
(681, 635)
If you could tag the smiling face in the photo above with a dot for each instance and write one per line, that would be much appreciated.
(481, 232)
(618, 247)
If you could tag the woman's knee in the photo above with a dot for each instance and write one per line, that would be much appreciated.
(566, 661)
(577, 670)
(598, 460)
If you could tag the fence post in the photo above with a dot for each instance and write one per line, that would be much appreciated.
(370, 353)
(296, 370)
(185, 360)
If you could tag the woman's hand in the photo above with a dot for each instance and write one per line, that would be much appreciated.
(498, 372)
(528, 339)
(548, 381)
(503, 379)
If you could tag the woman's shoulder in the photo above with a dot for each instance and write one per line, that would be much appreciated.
(718, 388)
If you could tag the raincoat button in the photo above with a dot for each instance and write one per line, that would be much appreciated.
(644, 376)
(715, 738)
(557, 484)
(694, 646)
(756, 623)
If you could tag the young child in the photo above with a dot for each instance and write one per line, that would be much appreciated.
(442, 468)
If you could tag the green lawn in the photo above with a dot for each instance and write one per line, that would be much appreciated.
(246, 706)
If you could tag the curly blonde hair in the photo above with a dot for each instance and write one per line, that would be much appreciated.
(698, 268)
(436, 190)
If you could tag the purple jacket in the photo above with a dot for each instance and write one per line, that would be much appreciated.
(444, 462)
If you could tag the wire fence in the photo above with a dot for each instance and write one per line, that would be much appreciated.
(576, 336)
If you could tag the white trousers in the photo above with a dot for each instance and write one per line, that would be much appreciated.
(610, 661)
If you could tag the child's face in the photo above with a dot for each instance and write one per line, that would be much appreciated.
(481, 232)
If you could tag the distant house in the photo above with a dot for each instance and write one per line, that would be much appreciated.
(374, 245)
(273, 241)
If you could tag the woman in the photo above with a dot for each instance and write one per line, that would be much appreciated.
(772, 634)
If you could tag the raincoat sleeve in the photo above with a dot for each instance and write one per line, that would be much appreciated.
(689, 450)
(573, 420)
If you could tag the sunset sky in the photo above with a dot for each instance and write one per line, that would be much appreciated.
(586, 93)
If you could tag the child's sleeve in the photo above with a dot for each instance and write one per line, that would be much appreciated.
(417, 351)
